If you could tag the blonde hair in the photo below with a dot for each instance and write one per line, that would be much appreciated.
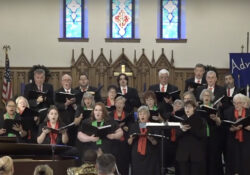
(18, 99)
(43, 169)
(6, 165)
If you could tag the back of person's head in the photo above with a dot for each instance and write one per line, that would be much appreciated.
(90, 156)
(6, 166)
(105, 164)
(43, 170)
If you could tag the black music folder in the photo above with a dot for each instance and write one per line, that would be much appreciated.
(27, 118)
(100, 131)
(62, 96)
(195, 85)
(61, 128)
(242, 121)
(161, 95)
(35, 94)
(208, 109)
(8, 125)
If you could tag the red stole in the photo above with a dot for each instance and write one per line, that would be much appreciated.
(239, 133)
(116, 117)
(108, 102)
(142, 142)
(53, 136)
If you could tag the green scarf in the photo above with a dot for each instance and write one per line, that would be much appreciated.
(155, 108)
(94, 123)
(8, 117)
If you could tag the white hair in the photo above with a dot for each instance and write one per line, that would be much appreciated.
(239, 97)
(163, 71)
(211, 72)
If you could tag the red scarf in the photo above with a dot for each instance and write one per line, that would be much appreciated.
(108, 102)
(142, 142)
(116, 117)
(239, 133)
(53, 136)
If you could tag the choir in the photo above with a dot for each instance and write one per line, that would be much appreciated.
(206, 143)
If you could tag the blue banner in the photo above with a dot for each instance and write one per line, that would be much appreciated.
(240, 68)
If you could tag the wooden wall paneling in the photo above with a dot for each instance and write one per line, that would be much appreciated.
(101, 72)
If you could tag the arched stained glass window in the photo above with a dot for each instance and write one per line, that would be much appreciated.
(73, 23)
(170, 19)
(122, 19)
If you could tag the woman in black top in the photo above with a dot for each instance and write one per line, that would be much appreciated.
(47, 135)
(190, 155)
(99, 118)
(17, 129)
(238, 139)
(120, 148)
(215, 139)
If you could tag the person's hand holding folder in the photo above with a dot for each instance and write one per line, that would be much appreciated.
(216, 119)
(185, 127)
(93, 138)
(247, 128)
(39, 99)
(2, 131)
(235, 128)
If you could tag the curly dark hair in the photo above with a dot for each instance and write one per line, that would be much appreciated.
(35, 67)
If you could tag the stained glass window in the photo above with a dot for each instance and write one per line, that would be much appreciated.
(73, 19)
(170, 19)
(122, 19)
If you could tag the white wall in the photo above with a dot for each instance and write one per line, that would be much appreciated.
(213, 29)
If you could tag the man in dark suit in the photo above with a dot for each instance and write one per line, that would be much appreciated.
(211, 79)
(231, 89)
(164, 86)
(84, 86)
(166, 104)
(41, 103)
(131, 94)
(198, 78)
(67, 109)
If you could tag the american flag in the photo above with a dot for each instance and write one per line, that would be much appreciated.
(7, 87)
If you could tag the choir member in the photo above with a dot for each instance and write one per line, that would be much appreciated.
(112, 94)
(87, 105)
(99, 117)
(17, 129)
(131, 94)
(22, 104)
(121, 148)
(215, 136)
(211, 79)
(198, 78)
(188, 96)
(84, 86)
(145, 155)
(47, 135)
(238, 140)
(151, 101)
(68, 107)
(164, 85)
(190, 154)
(42, 102)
